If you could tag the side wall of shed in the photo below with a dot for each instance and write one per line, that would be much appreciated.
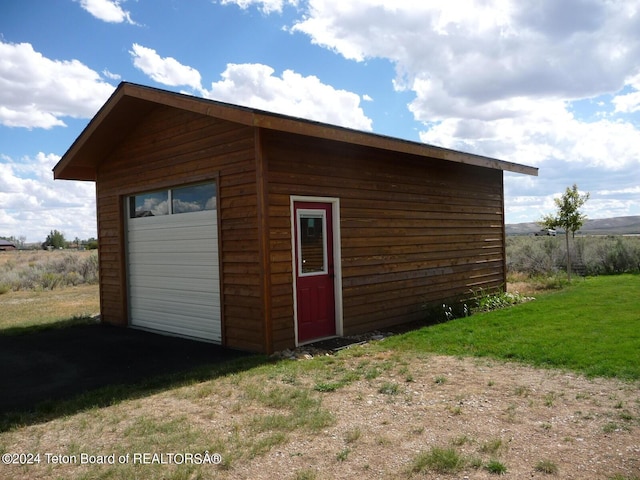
(413, 230)
(169, 148)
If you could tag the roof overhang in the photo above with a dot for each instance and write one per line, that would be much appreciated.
(130, 103)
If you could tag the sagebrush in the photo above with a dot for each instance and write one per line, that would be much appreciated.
(592, 255)
(43, 270)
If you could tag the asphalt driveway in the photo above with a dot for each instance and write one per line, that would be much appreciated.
(61, 363)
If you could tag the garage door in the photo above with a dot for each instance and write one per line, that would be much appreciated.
(173, 268)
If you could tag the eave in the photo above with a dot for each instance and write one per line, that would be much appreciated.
(130, 103)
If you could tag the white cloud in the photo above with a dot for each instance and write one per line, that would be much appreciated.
(167, 70)
(499, 78)
(256, 86)
(266, 6)
(37, 92)
(629, 102)
(497, 68)
(110, 75)
(107, 10)
(621, 191)
(33, 204)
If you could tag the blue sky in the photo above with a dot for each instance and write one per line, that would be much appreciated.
(550, 84)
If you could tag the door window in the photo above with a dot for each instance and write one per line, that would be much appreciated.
(312, 248)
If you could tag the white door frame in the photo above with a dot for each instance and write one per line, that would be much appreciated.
(337, 260)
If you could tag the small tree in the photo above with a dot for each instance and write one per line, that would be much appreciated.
(568, 216)
(55, 239)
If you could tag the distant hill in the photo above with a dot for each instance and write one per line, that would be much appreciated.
(600, 226)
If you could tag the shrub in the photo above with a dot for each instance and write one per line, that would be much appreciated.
(592, 255)
(48, 270)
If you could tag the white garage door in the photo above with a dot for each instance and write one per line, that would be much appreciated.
(173, 268)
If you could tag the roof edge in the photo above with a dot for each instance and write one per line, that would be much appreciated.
(267, 120)
(277, 121)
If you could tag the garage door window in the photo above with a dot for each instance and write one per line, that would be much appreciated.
(149, 204)
(193, 198)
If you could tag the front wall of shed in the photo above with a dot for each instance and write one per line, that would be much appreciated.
(171, 148)
(413, 230)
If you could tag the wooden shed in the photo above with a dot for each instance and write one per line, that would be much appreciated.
(262, 232)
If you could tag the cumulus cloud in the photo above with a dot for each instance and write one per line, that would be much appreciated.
(255, 85)
(500, 78)
(107, 10)
(489, 50)
(164, 70)
(491, 60)
(37, 92)
(266, 6)
(32, 204)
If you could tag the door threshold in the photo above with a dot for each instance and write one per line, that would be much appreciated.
(316, 340)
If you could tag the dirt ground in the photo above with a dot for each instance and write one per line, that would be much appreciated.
(484, 409)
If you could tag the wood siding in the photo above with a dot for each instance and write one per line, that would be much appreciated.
(171, 147)
(413, 230)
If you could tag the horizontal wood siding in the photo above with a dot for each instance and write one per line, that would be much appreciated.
(413, 230)
(172, 147)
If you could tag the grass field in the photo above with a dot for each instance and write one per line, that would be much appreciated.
(41, 308)
(592, 327)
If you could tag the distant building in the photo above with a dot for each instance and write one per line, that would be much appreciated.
(6, 245)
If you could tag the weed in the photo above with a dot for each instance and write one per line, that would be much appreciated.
(626, 416)
(389, 388)
(343, 454)
(491, 446)
(372, 373)
(522, 391)
(489, 301)
(546, 466)
(440, 379)
(550, 398)
(352, 435)
(611, 427)
(496, 467)
(306, 474)
(460, 440)
(440, 460)
(327, 386)
(457, 410)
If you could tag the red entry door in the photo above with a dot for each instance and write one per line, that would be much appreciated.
(315, 297)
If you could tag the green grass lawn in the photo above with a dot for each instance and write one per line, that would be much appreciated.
(592, 327)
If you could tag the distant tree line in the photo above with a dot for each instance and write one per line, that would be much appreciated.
(56, 240)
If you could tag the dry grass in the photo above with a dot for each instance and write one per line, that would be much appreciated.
(20, 307)
(47, 306)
